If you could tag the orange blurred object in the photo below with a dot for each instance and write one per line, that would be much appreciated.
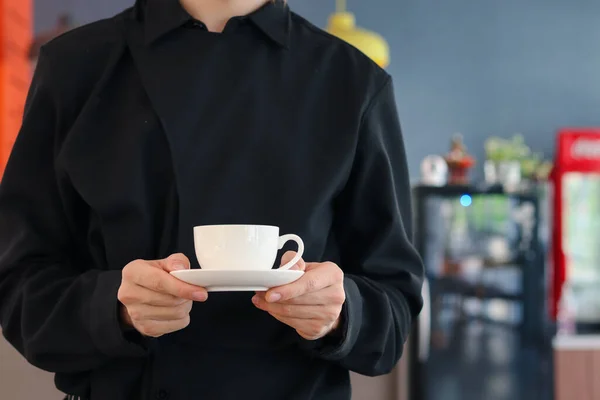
(458, 170)
(459, 162)
(16, 32)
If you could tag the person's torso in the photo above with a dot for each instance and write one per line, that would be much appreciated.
(154, 153)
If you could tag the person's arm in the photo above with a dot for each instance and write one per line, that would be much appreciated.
(61, 316)
(373, 226)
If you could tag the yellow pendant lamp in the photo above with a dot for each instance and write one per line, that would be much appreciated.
(343, 25)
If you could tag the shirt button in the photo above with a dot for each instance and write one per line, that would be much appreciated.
(162, 394)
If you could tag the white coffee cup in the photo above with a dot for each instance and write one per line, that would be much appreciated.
(241, 247)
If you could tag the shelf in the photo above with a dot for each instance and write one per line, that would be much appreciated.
(576, 342)
(512, 264)
(446, 285)
(459, 190)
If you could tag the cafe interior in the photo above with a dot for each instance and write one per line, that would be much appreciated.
(499, 104)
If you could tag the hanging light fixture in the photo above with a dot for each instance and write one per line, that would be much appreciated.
(343, 25)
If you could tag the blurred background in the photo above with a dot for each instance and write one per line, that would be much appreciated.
(500, 108)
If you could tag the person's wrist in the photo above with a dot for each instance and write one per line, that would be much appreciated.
(335, 325)
(336, 328)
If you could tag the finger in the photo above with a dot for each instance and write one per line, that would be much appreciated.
(308, 329)
(288, 256)
(308, 283)
(291, 310)
(136, 294)
(331, 295)
(158, 328)
(291, 322)
(163, 282)
(147, 312)
(175, 262)
(314, 279)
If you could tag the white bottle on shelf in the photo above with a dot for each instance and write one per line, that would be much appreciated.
(567, 312)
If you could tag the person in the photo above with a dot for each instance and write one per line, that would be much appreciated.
(175, 114)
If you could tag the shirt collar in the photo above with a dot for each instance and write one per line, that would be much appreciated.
(163, 16)
(274, 20)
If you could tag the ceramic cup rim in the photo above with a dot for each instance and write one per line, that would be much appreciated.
(220, 226)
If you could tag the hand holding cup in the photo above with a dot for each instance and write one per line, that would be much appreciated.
(154, 302)
(311, 305)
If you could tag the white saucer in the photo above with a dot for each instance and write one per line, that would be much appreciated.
(237, 281)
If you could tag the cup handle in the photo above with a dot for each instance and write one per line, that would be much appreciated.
(286, 238)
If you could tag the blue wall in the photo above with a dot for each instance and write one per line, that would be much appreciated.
(481, 68)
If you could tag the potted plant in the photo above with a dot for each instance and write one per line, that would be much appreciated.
(508, 161)
(503, 160)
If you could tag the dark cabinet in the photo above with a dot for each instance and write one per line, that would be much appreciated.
(484, 332)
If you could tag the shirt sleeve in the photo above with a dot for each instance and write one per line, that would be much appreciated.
(63, 317)
(373, 227)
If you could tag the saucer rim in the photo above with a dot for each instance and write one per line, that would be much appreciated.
(284, 276)
(269, 271)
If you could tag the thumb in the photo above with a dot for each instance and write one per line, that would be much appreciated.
(175, 262)
(288, 256)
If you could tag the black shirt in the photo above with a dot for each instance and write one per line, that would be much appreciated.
(138, 128)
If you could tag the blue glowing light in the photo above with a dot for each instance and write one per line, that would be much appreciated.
(465, 200)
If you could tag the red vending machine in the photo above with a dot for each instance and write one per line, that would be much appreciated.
(576, 227)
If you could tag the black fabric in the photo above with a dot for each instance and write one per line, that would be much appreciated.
(138, 128)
